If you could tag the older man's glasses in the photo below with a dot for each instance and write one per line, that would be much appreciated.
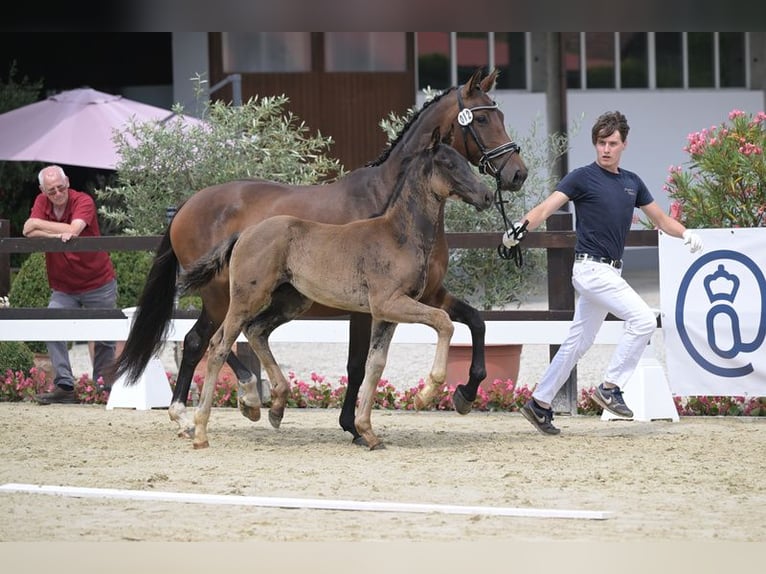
(55, 190)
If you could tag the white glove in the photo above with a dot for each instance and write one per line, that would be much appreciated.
(511, 239)
(693, 240)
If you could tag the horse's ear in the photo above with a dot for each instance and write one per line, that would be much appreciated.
(436, 138)
(472, 83)
(488, 83)
(449, 136)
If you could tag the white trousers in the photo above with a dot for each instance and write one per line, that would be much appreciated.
(601, 290)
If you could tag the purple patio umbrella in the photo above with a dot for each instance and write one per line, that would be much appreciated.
(74, 127)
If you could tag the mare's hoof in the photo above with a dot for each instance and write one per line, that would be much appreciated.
(462, 405)
(199, 445)
(378, 446)
(359, 441)
(275, 419)
(252, 413)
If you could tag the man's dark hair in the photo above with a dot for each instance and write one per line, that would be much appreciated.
(607, 123)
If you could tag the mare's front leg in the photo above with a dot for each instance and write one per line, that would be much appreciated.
(462, 312)
(195, 345)
(358, 347)
(381, 334)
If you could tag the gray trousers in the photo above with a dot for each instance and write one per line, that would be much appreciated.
(102, 298)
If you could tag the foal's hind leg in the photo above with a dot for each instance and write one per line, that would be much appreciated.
(220, 346)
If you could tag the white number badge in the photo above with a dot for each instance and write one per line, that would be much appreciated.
(465, 117)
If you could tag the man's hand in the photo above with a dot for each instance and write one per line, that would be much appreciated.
(515, 234)
(693, 240)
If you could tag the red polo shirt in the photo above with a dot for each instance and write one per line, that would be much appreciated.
(75, 271)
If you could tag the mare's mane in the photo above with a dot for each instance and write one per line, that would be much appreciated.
(387, 151)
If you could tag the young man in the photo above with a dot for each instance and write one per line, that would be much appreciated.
(604, 197)
(77, 278)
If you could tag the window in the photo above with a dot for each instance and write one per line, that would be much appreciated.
(365, 51)
(701, 53)
(670, 66)
(571, 48)
(247, 52)
(510, 54)
(472, 53)
(634, 60)
(733, 60)
(599, 60)
(433, 60)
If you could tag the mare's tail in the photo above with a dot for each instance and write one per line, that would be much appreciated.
(206, 268)
(153, 314)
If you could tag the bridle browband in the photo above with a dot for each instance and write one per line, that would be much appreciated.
(465, 120)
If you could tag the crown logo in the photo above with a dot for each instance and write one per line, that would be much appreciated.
(721, 286)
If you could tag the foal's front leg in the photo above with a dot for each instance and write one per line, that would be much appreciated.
(381, 334)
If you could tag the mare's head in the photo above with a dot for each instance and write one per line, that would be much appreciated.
(475, 116)
(451, 175)
(483, 137)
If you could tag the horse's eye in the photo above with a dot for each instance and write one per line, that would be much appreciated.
(481, 119)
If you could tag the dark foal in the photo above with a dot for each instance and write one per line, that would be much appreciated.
(378, 266)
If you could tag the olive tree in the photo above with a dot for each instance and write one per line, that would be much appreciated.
(162, 164)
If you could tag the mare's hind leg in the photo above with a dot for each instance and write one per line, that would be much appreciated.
(380, 339)
(195, 345)
(461, 312)
(359, 328)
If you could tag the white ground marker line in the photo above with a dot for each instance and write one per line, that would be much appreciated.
(315, 503)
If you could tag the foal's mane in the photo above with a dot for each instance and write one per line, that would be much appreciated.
(387, 151)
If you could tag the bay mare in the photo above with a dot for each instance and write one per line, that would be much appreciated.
(213, 214)
(378, 266)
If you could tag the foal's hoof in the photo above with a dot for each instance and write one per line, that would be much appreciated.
(275, 418)
(252, 413)
(199, 445)
(378, 446)
(186, 433)
(462, 405)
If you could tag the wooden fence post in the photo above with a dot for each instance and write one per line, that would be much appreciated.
(561, 297)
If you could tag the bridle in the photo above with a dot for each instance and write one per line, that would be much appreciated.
(465, 120)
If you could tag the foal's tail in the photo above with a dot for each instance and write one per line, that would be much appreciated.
(206, 268)
(153, 314)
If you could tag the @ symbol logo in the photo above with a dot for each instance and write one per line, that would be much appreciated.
(721, 288)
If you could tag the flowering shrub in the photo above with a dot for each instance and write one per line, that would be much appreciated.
(724, 183)
(501, 395)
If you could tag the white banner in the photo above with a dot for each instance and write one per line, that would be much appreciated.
(713, 307)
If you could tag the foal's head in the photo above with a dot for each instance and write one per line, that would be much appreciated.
(452, 174)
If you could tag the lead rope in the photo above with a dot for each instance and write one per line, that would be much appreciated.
(509, 253)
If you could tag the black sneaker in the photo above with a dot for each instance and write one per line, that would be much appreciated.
(611, 400)
(59, 395)
(540, 417)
